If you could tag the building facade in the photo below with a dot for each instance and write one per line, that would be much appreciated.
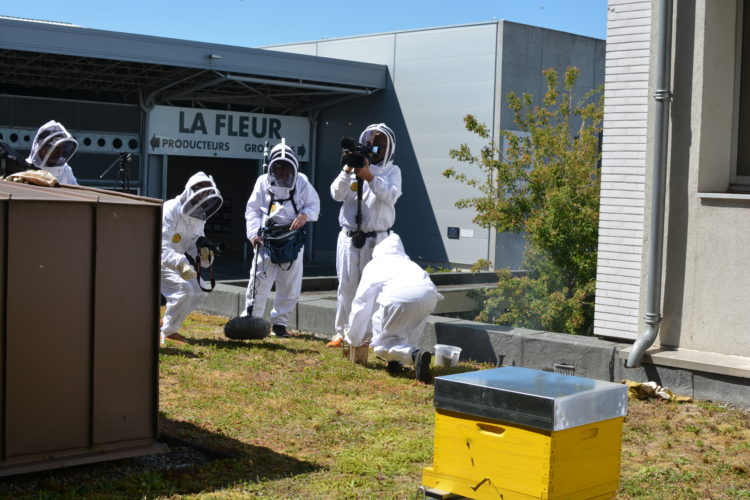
(177, 106)
(703, 278)
(436, 77)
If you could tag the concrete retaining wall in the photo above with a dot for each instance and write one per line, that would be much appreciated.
(590, 357)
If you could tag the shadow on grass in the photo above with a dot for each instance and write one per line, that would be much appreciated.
(245, 462)
(311, 336)
(249, 344)
(173, 351)
(216, 462)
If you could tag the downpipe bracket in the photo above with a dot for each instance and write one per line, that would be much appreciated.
(652, 319)
(663, 95)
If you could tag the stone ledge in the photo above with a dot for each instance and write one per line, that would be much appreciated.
(688, 359)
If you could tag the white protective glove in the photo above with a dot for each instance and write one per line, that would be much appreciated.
(187, 272)
(206, 254)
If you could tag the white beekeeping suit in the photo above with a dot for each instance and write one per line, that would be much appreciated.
(183, 222)
(281, 197)
(401, 295)
(51, 150)
(378, 210)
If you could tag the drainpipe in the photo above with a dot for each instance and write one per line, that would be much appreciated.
(662, 96)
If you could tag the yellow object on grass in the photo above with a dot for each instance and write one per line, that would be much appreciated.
(483, 458)
(519, 434)
(646, 390)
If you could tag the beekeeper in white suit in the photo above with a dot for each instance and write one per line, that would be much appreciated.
(402, 295)
(52, 149)
(183, 222)
(380, 190)
(283, 196)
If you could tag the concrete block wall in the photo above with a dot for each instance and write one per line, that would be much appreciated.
(507, 346)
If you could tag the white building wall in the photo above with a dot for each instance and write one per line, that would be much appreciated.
(439, 75)
(621, 221)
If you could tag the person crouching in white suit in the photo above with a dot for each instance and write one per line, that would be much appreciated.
(183, 222)
(404, 296)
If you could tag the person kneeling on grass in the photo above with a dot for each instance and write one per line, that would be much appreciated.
(405, 296)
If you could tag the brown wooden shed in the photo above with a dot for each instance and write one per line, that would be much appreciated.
(79, 315)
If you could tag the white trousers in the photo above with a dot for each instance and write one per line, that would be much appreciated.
(288, 287)
(350, 262)
(182, 299)
(396, 329)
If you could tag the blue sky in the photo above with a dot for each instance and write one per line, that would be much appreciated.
(252, 23)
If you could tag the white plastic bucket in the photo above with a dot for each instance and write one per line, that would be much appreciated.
(446, 355)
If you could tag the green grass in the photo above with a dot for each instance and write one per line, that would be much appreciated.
(303, 422)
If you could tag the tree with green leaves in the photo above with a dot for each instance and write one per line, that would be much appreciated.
(543, 182)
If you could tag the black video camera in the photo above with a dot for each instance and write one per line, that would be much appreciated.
(355, 153)
(215, 247)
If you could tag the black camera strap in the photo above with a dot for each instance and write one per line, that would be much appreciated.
(358, 218)
(196, 263)
(291, 198)
(358, 238)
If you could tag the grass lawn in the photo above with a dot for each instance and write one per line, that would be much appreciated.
(305, 423)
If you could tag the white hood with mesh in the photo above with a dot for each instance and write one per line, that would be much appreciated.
(201, 198)
(366, 136)
(52, 137)
(282, 154)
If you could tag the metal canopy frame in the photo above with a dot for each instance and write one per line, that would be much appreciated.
(57, 60)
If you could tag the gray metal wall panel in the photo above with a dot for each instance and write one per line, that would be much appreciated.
(526, 52)
(311, 48)
(442, 75)
(529, 50)
(439, 75)
(372, 49)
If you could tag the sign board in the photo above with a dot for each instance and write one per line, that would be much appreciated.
(223, 134)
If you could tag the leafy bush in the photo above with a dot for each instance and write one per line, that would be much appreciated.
(545, 183)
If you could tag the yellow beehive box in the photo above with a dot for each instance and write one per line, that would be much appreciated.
(516, 433)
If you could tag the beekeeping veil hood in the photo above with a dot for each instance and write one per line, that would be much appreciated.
(201, 198)
(391, 245)
(282, 171)
(53, 146)
(390, 149)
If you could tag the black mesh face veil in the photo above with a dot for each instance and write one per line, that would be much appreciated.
(55, 151)
(282, 166)
(382, 128)
(281, 173)
(203, 200)
(53, 146)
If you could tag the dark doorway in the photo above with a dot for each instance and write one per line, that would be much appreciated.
(235, 179)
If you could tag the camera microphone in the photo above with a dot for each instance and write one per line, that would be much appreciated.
(348, 143)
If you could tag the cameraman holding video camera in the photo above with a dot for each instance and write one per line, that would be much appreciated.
(368, 186)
